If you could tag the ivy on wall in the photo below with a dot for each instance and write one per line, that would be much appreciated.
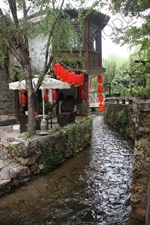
(73, 138)
(52, 157)
(76, 136)
(122, 118)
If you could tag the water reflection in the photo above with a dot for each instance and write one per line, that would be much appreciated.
(93, 188)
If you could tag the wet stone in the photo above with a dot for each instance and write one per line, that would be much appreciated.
(19, 171)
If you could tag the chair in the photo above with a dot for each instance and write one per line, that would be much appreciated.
(23, 120)
(67, 114)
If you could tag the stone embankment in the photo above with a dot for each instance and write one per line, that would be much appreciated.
(132, 119)
(22, 159)
(17, 162)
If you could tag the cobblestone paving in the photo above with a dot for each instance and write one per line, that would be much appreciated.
(92, 188)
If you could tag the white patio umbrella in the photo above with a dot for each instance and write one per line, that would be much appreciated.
(47, 83)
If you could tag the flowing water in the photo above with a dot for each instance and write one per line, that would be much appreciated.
(90, 189)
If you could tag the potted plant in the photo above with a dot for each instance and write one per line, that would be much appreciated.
(49, 106)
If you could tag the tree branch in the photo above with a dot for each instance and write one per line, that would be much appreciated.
(12, 41)
(13, 8)
(47, 64)
(25, 12)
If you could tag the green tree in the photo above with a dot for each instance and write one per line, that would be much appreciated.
(111, 66)
(115, 73)
(138, 32)
(135, 34)
(133, 17)
(16, 27)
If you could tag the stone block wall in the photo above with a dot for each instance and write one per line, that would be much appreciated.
(7, 99)
(23, 159)
(111, 117)
(148, 205)
(138, 129)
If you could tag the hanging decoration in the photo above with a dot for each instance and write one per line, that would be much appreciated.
(82, 95)
(81, 87)
(100, 88)
(46, 95)
(57, 69)
(100, 91)
(23, 98)
(70, 77)
(100, 98)
(100, 79)
(101, 107)
(55, 95)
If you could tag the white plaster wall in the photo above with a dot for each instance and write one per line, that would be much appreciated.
(37, 51)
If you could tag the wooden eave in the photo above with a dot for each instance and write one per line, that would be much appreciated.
(98, 16)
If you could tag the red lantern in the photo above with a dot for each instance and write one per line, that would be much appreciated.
(82, 78)
(72, 77)
(46, 98)
(55, 95)
(46, 95)
(23, 100)
(76, 80)
(101, 107)
(100, 98)
(57, 68)
(68, 77)
(100, 78)
(82, 95)
(22, 91)
(79, 80)
(62, 73)
(81, 87)
(65, 75)
(100, 88)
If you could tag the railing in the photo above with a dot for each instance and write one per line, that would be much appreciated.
(120, 100)
(137, 103)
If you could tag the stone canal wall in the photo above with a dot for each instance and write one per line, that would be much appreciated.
(23, 159)
(132, 119)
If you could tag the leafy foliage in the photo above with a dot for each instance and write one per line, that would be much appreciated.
(135, 23)
(122, 117)
(71, 143)
(23, 20)
(53, 157)
(49, 106)
(116, 75)
(136, 33)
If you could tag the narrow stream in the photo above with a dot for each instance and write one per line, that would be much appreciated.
(92, 188)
